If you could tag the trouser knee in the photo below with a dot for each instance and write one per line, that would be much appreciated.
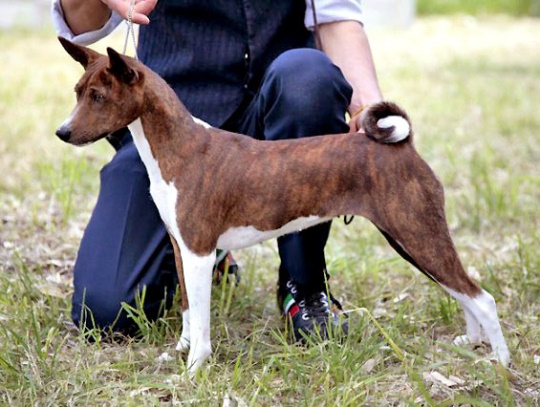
(305, 95)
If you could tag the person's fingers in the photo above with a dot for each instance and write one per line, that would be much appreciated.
(355, 124)
(140, 11)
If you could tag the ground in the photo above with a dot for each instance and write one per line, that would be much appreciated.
(471, 89)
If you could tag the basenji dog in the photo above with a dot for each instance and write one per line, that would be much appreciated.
(280, 187)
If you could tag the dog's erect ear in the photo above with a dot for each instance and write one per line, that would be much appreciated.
(119, 67)
(85, 56)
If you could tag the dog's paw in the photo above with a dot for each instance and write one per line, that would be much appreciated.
(464, 340)
(501, 356)
(183, 344)
(197, 356)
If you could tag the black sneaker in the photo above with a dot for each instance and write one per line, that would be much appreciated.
(313, 314)
(226, 266)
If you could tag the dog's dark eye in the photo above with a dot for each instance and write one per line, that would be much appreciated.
(98, 97)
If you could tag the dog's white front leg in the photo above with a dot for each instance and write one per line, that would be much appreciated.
(198, 281)
(185, 337)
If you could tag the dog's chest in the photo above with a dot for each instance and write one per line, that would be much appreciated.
(164, 194)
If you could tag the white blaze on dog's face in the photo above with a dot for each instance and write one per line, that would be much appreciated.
(108, 96)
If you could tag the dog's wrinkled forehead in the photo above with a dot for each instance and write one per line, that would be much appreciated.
(96, 74)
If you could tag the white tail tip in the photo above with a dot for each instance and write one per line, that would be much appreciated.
(401, 128)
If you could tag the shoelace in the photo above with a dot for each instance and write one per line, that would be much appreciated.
(315, 306)
(292, 287)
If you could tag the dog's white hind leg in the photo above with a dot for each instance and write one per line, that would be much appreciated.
(198, 282)
(475, 333)
(483, 309)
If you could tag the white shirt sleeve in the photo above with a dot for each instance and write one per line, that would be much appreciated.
(63, 30)
(329, 11)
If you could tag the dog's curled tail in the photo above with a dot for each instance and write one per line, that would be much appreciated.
(387, 123)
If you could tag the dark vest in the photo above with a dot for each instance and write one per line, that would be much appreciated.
(214, 53)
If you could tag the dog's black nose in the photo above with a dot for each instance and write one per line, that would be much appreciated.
(64, 133)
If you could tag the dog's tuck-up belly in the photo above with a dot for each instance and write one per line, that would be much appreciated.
(244, 236)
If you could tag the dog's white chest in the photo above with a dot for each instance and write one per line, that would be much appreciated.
(164, 194)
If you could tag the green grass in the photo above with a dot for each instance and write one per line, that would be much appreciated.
(478, 7)
(471, 89)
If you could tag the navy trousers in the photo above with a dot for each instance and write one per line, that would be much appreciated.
(125, 246)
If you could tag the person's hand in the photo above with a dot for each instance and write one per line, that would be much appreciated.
(355, 123)
(140, 11)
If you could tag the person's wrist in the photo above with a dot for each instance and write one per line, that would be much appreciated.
(94, 6)
(359, 104)
(358, 111)
(85, 15)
